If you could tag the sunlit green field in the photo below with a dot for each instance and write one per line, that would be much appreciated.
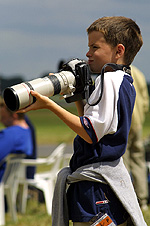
(49, 128)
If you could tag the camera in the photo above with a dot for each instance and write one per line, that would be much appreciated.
(72, 81)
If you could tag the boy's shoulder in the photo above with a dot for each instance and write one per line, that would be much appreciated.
(114, 76)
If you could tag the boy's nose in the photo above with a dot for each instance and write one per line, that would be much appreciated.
(88, 54)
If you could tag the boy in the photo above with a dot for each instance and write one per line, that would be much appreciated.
(103, 128)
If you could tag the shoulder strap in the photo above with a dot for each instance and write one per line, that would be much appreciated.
(115, 67)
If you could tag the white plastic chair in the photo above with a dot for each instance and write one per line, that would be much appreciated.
(66, 159)
(44, 181)
(9, 186)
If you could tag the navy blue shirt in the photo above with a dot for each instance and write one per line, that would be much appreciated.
(14, 140)
(111, 146)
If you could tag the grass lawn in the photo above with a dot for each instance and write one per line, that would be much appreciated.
(36, 216)
(49, 128)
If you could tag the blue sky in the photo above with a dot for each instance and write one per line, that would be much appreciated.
(35, 35)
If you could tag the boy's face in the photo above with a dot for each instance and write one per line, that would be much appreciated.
(99, 52)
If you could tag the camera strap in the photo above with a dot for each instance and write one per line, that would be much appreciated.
(113, 66)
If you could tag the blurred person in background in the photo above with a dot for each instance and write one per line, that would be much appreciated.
(134, 157)
(16, 138)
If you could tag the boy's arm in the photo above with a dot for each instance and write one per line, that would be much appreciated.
(80, 107)
(68, 118)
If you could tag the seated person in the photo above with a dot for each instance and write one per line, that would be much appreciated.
(16, 138)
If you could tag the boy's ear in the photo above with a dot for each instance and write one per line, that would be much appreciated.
(120, 49)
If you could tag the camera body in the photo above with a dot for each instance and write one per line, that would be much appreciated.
(70, 81)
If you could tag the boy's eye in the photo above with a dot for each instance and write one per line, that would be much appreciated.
(95, 47)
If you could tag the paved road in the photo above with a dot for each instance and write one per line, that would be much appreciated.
(45, 150)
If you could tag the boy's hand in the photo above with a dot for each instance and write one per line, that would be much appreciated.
(41, 102)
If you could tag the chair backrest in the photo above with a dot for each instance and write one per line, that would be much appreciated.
(12, 171)
(56, 159)
(66, 159)
(56, 154)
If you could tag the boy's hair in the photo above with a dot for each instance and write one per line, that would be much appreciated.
(120, 30)
(3, 105)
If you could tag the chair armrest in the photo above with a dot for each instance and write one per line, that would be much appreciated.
(33, 162)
